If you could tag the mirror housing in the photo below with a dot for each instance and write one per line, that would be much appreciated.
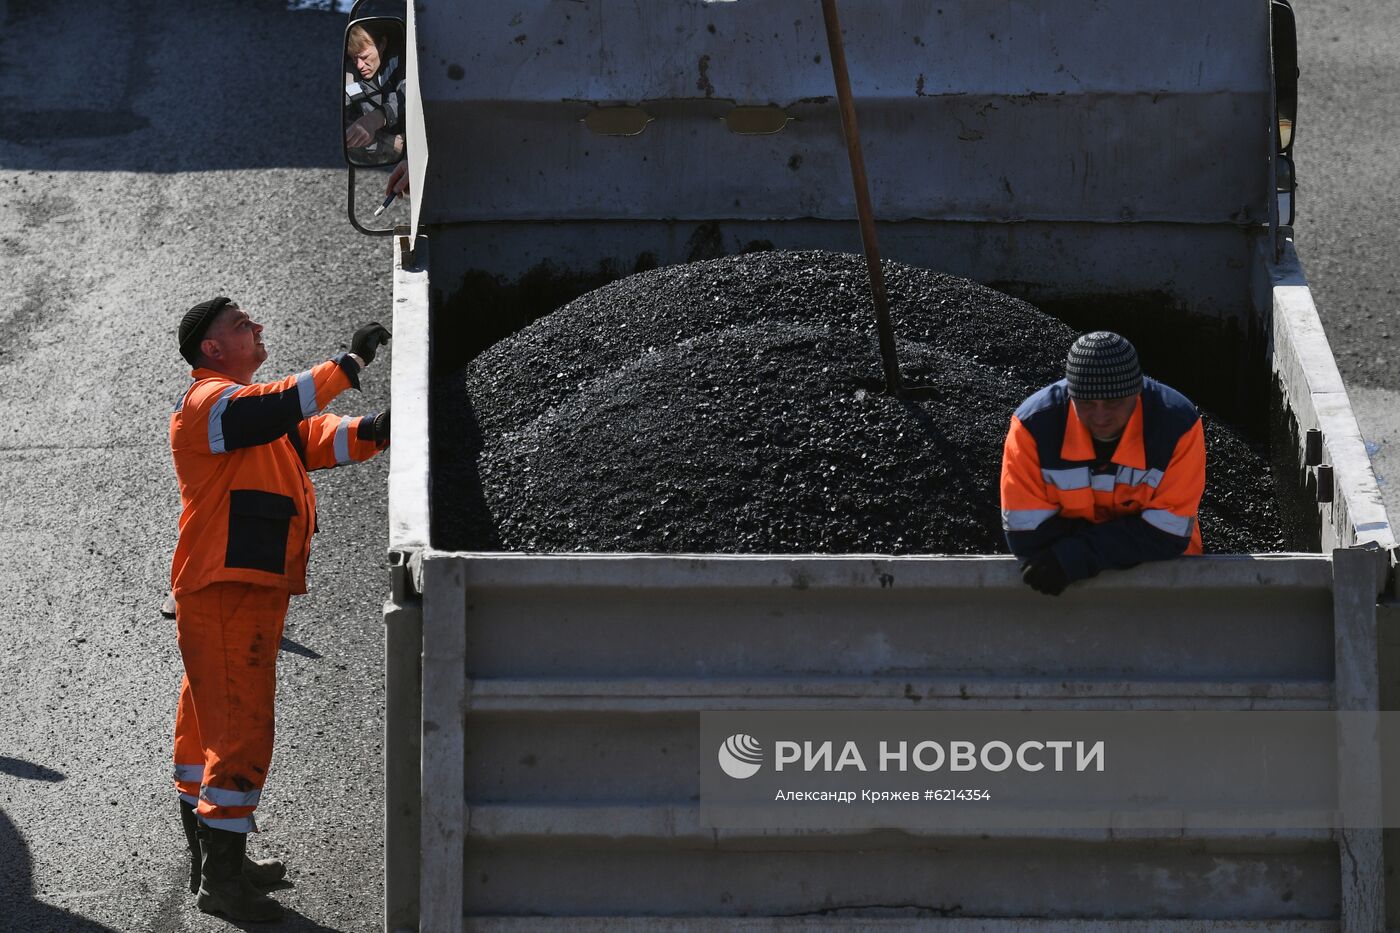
(372, 102)
(1284, 42)
(1285, 48)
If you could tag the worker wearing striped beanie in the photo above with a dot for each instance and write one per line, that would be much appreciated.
(1101, 470)
(1102, 365)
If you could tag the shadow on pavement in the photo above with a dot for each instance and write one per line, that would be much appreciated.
(17, 886)
(28, 770)
(295, 648)
(20, 910)
(169, 86)
(291, 921)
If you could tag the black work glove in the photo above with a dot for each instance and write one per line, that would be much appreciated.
(1044, 574)
(381, 427)
(368, 339)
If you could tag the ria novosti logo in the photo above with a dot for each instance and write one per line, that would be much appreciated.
(741, 756)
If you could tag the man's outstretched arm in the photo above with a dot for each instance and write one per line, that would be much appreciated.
(242, 416)
(335, 440)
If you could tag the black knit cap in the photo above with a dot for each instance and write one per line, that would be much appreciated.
(195, 322)
(1103, 365)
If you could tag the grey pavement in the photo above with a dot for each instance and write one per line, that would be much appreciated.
(1348, 203)
(163, 152)
(147, 167)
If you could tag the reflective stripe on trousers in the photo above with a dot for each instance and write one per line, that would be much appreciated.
(229, 635)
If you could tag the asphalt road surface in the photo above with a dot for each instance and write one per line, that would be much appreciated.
(156, 153)
(1348, 202)
(162, 153)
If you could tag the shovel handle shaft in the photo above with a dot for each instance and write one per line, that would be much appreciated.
(860, 182)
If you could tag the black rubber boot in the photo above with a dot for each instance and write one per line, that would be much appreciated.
(263, 873)
(222, 887)
(191, 824)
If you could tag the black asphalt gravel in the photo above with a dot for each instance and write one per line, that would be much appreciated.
(736, 406)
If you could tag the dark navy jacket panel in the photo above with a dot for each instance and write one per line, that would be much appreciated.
(1166, 416)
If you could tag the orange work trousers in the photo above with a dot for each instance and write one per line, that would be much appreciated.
(229, 635)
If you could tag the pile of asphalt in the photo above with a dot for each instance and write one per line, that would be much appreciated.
(736, 406)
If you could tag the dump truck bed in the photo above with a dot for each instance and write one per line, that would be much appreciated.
(553, 703)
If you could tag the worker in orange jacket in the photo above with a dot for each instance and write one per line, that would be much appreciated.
(242, 454)
(1103, 469)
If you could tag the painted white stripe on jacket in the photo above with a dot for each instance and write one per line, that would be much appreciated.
(191, 773)
(1025, 519)
(216, 421)
(221, 797)
(1074, 478)
(306, 391)
(242, 824)
(342, 442)
(1169, 522)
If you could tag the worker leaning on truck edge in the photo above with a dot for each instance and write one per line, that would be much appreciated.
(247, 512)
(1103, 469)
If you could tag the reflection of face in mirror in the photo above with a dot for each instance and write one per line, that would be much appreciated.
(367, 60)
(374, 92)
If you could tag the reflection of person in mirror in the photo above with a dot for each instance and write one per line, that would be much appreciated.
(374, 95)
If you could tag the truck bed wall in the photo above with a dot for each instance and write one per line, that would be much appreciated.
(969, 111)
(568, 788)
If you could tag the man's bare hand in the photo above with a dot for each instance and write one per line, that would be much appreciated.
(398, 180)
(361, 132)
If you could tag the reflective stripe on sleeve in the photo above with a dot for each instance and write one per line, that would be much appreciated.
(216, 421)
(1169, 522)
(190, 799)
(1075, 478)
(194, 774)
(1025, 519)
(241, 824)
(1080, 477)
(220, 797)
(306, 392)
(1127, 476)
(342, 442)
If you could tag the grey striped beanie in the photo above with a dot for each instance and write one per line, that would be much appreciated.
(1103, 365)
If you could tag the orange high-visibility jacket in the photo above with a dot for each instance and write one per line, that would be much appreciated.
(1139, 505)
(242, 452)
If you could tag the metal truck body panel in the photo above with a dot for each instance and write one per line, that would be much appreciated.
(968, 111)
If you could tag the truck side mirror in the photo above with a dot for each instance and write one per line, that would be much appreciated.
(373, 103)
(1285, 56)
(1285, 46)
